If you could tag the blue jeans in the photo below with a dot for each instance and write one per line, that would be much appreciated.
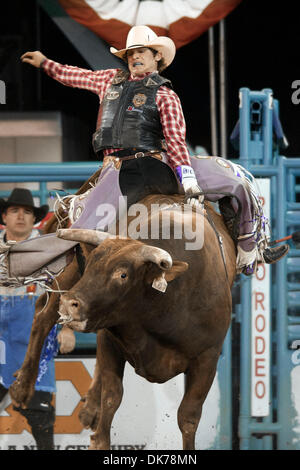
(16, 316)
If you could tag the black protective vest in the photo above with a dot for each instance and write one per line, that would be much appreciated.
(129, 117)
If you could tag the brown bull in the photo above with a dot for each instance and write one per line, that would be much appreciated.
(161, 334)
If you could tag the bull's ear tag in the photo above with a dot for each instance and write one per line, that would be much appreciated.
(160, 283)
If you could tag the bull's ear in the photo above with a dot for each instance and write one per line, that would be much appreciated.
(161, 282)
(178, 268)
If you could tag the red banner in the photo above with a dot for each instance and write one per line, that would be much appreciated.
(182, 21)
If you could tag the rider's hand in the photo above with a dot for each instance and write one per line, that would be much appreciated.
(33, 58)
(190, 185)
(192, 190)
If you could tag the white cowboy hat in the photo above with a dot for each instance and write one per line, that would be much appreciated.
(143, 36)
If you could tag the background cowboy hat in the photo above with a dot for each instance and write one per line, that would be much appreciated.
(22, 197)
(143, 36)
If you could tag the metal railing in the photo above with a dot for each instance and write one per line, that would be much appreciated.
(259, 153)
(43, 173)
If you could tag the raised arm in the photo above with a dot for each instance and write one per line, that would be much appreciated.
(69, 75)
(34, 58)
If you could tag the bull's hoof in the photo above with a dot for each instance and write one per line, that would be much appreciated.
(99, 444)
(20, 391)
(89, 414)
(92, 444)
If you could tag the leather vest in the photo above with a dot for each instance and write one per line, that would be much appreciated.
(129, 117)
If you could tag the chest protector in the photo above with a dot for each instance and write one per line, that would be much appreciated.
(129, 117)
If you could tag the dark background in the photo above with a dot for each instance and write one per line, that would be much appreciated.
(261, 52)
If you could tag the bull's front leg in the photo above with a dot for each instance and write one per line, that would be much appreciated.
(46, 316)
(105, 394)
(89, 413)
(199, 378)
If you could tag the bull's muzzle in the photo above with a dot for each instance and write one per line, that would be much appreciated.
(70, 309)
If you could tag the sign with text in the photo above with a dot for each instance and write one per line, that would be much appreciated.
(260, 332)
(146, 419)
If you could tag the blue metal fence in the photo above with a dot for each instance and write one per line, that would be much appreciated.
(43, 173)
(260, 140)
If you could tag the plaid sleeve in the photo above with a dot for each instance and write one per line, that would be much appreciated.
(76, 77)
(173, 125)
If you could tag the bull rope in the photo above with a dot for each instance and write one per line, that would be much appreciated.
(48, 289)
(67, 205)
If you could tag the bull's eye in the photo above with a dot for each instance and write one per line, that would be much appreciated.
(123, 275)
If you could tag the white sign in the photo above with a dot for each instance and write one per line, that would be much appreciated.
(260, 332)
(146, 418)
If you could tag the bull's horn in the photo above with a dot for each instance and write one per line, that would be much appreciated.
(94, 237)
(158, 256)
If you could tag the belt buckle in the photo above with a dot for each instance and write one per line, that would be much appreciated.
(139, 155)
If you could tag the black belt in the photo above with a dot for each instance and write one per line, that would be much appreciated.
(128, 154)
(123, 154)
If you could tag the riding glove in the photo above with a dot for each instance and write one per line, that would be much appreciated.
(190, 185)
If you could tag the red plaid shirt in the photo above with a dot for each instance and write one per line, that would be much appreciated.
(167, 101)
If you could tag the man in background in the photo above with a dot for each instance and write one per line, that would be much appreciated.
(17, 306)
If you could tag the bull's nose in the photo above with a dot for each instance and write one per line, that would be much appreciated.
(71, 307)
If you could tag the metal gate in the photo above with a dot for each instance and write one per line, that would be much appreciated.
(269, 315)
